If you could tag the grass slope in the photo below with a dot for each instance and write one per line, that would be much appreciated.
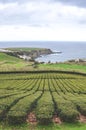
(11, 63)
(49, 127)
(5, 57)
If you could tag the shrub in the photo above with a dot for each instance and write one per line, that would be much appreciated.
(45, 109)
(68, 114)
(82, 108)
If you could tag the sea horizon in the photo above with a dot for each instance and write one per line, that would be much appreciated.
(70, 49)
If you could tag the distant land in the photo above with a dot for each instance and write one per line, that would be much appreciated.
(27, 53)
(66, 50)
(32, 53)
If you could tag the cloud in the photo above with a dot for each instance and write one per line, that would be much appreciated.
(80, 3)
(44, 13)
(23, 1)
(28, 33)
(51, 19)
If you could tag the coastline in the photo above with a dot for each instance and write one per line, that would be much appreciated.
(27, 53)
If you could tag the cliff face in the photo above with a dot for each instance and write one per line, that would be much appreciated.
(38, 53)
(30, 54)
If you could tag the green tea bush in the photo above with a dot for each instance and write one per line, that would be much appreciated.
(68, 114)
(45, 108)
(45, 93)
(82, 108)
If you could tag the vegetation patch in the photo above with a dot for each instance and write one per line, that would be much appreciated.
(47, 94)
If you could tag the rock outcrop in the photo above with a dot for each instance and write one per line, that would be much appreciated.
(32, 54)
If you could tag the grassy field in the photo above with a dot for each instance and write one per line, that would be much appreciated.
(11, 63)
(65, 126)
(24, 49)
(8, 58)
(19, 91)
(63, 66)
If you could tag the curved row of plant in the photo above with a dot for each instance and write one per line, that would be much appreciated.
(44, 93)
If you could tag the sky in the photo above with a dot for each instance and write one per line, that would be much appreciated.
(42, 20)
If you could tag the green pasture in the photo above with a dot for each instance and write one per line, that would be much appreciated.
(11, 63)
(25, 49)
(63, 66)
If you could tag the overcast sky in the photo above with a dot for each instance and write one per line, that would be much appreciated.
(52, 20)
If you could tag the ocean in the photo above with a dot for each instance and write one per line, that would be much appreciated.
(70, 50)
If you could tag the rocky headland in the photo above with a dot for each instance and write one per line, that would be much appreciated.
(28, 54)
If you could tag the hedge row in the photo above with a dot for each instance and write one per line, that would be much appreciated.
(45, 108)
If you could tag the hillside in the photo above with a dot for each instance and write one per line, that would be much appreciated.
(17, 59)
(24, 90)
(12, 63)
(4, 58)
(22, 59)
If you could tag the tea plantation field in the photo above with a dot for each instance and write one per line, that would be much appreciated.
(44, 93)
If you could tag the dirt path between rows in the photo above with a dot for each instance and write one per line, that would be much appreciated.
(32, 120)
(57, 120)
(82, 118)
